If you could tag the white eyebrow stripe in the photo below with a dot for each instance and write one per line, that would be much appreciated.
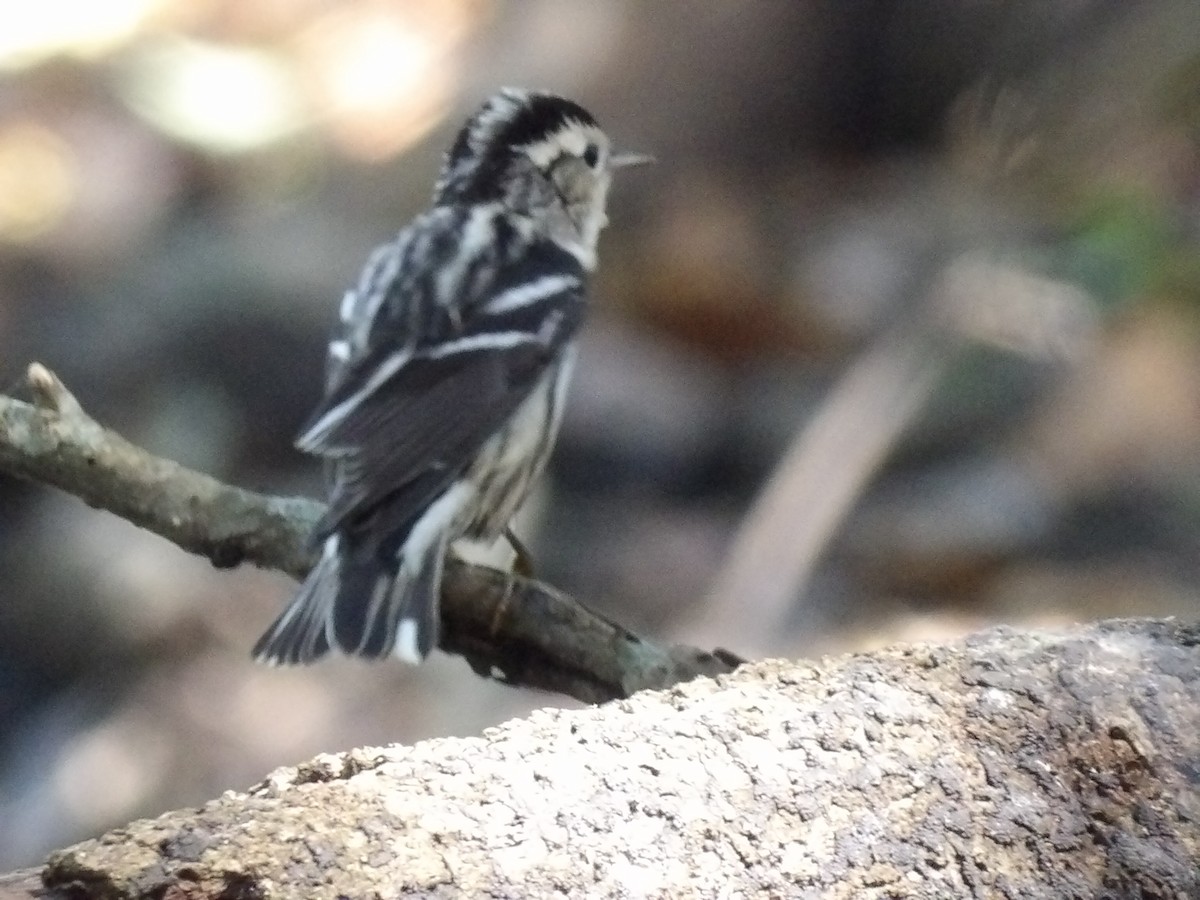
(572, 137)
(527, 294)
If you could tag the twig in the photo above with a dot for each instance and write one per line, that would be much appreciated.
(510, 628)
(811, 491)
(966, 298)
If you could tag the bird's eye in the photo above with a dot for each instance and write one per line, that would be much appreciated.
(591, 155)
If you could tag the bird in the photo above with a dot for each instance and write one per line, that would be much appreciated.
(446, 376)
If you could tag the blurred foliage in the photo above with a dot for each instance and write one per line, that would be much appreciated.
(1124, 248)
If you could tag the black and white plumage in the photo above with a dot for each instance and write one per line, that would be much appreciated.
(446, 376)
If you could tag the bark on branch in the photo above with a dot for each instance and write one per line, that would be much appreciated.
(513, 629)
(1010, 765)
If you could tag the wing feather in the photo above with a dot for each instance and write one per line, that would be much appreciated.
(418, 387)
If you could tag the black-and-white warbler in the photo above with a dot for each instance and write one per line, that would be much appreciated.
(446, 375)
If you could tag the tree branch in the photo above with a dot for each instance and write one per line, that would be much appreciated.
(513, 629)
(1009, 765)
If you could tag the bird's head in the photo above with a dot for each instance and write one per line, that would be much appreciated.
(542, 156)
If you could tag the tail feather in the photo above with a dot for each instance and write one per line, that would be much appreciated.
(301, 634)
(358, 618)
(389, 606)
(418, 624)
(370, 608)
(369, 599)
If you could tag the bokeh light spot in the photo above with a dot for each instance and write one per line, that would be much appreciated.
(37, 180)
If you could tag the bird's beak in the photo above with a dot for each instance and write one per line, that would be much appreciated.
(626, 160)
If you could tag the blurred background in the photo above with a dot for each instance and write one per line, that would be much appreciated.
(898, 340)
